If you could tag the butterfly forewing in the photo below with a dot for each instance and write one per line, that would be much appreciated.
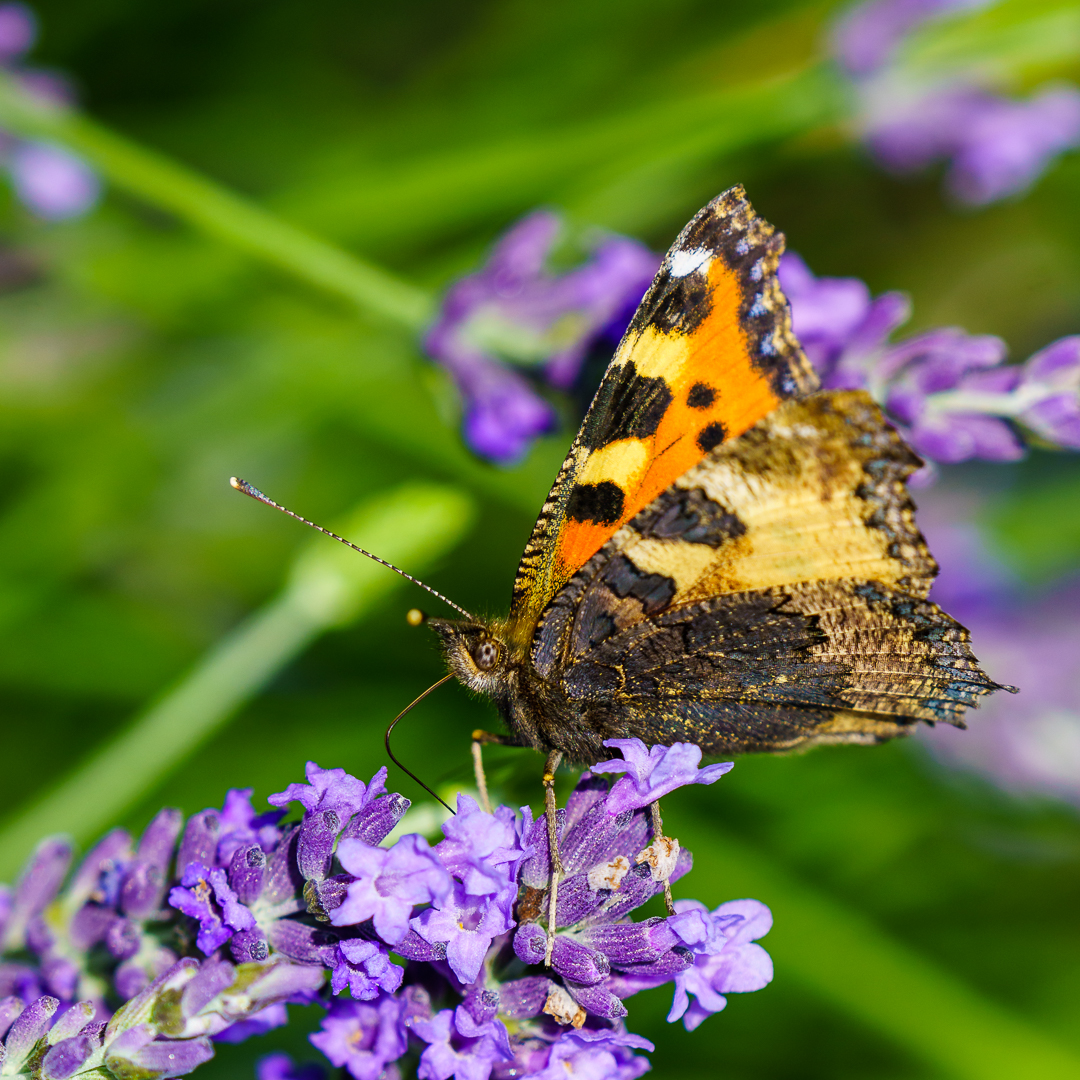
(708, 354)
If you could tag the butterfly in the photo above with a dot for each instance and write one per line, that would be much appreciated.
(729, 555)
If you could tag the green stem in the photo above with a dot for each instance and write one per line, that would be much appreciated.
(216, 210)
(329, 586)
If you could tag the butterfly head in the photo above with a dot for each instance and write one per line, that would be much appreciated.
(475, 652)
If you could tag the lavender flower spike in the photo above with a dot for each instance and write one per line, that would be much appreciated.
(652, 774)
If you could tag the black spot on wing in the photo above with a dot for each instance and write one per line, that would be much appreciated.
(655, 591)
(599, 503)
(710, 436)
(690, 516)
(700, 396)
(627, 406)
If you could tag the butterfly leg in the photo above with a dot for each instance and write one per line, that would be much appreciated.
(478, 739)
(553, 847)
(658, 838)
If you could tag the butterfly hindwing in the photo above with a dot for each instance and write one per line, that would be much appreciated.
(708, 354)
(773, 596)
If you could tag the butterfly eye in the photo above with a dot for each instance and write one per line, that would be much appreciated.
(486, 655)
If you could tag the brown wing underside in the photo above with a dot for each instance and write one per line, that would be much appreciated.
(708, 354)
(773, 597)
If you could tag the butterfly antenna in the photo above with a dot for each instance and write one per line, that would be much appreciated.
(393, 722)
(255, 493)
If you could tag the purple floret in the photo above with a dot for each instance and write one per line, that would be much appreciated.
(388, 883)
(362, 1036)
(726, 960)
(652, 774)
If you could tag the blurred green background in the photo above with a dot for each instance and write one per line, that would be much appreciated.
(143, 361)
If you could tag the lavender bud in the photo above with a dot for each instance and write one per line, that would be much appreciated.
(122, 938)
(578, 963)
(523, 998)
(282, 881)
(598, 1000)
(308, 944)
(200, 841)
(39, 883)
(113, 848)
(72, 1022)
(665, 967)
(530, 943)
(577, 901)
(246, 872)
(632, 943)
(592, 841)
(157, 843)
(249, 945)
(39, 936)
(211, 979)
(374, 823)
(136, 1053)
(315, 844)
(30, 1026)
(10, 1008)
(142, 889)
(67, 1057)
(535, 870)
(89, 925)
(590, 790)
(481, 1005)
(130, 980)
(60, 976)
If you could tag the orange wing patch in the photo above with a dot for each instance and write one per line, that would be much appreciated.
(716, 393)
(708, 354)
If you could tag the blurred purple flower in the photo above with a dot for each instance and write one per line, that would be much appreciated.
(517, 311)
(280, 1066)
(995, 146)
(459, 1047)
(652, 774)
(950, 392)
(49, 180)
(1028, 744)
(52, 181)
(867, 35)
(18, 31)
(364, 1037)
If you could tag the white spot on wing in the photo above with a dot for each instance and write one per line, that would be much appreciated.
(686, 261)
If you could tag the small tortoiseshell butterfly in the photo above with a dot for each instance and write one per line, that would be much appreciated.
(729, 555)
